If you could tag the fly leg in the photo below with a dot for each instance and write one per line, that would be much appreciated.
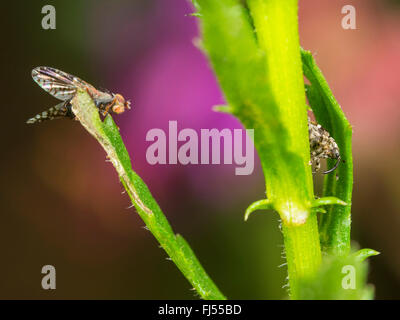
(68, 110)
(104, 113)
(103, 110)
(108, 107)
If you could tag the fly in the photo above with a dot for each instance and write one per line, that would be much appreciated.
(322, 146)
(64, 86)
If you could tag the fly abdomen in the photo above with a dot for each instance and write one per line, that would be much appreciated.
(61, 110)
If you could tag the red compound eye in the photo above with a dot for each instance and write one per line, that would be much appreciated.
(120, 99)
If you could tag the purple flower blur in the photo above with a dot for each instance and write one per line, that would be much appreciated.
(167, 79)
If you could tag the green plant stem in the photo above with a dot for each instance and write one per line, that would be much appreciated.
(291, 191)
(276, 26)
(303, 253)
(107, 134)
(257, 62)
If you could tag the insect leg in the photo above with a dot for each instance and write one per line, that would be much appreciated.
(108, 107)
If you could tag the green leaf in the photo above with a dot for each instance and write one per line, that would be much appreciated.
(319, 209)
(335, 224)
(363, 254)
(263, 204)
(328, 201)
(107, 134)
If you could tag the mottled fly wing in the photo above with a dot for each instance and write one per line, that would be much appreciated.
(59, 84)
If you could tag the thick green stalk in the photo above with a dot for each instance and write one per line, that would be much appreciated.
(257, 61)
(276, 26)
(302, 252)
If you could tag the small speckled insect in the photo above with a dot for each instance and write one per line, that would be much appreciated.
(322, 146)
(64, 86)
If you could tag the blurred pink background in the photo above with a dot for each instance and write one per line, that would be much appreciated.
(62, 203)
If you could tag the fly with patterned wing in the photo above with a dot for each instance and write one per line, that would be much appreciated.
(64, 86)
